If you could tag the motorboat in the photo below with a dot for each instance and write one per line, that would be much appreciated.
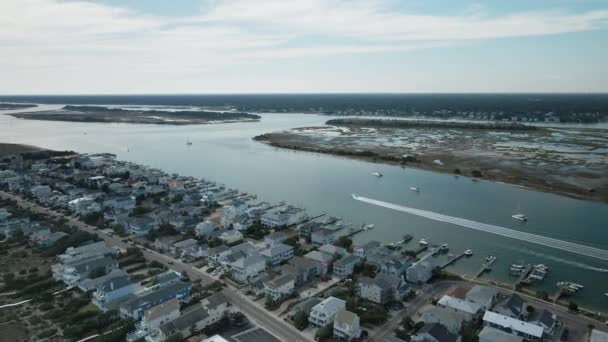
(368, 226)
(415, 188)
(444, 247)
(519, 215)
(423, 242)
(377, 174)
(541, 268)
(468, 253)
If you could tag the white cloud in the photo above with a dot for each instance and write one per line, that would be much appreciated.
(55, 37)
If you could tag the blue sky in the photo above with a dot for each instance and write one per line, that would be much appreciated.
(287, 46)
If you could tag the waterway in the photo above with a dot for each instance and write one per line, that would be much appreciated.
(322, 183)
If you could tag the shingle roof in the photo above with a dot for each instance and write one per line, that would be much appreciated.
(155, 295)
(439, 332)
(345, 317)
(215, 300)
(184, 321)
(161, 310)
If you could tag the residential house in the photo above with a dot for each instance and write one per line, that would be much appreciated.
(167, 278)
(336, 251)
(346, 325)
(112, 290)
(345, 267)
(435, 332)
(230, 212)
(303, 269)
(84, 206)
(304, 306)
(85, 251)
(217, 253)
(136, 307)
(305, 231)
(177, 249)
(159, 315)
(514, 307)
(41, 192)
(231, 236)
(280, 287)
(192, 321)
(422, 270)
(377, 290)
(164, 243)
(277, 254)
(549, 321)
(72, 272)
(482, 295)
(323, 237)
(246, 268)
(204, 228)
(395, 265)
(283, 217)
(470, 309)
(323, 313)
(529, 331)
(142, 225)
(450, 319)
(489, 334)
(92, 284)
(126, 203)
(216, 306)
(362, 250)
(325, 259)
(274, 239)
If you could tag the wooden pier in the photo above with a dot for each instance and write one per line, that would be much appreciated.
(451, 260)
(485, 267)
(522, 276)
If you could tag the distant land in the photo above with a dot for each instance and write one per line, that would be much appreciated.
(568, 108)
(117, 115)
(13, 106)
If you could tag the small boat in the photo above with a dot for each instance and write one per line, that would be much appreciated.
(188, 142)
(541, 268)
(423, 242)
(489, 257)
(468, 252)
(377, 174)
(415, 189)
(519, 216)
(444, 247)
(355, 196)
(368, 226)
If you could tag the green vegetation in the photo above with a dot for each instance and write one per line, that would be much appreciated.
(300, 320)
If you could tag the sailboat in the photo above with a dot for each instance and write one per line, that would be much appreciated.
(519, 215)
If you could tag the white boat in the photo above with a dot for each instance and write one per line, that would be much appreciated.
(468, 252)
(368, 226)
(519, 215)
(541, 268)
(377, 174)
(444, 247)
(415, 189)
(355, 196)
(423, 242)
(489, 257)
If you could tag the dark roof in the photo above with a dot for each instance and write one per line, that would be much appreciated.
(185, 321)
(115, 283)
(347, 260)
(215, 300)
(515, 304)
(155, 295)
(439, 332)
(548, 318)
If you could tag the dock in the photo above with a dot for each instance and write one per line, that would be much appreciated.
(485, 267)
(522, 276)
(451, 260)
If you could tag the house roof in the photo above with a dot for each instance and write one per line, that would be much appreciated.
(115, 283)
(598, 336)
(439, 332)
(276, 236)
(280, 281)
(162, 309)
(306, 304)
(349, 259)
(491, 334)
(515, 304)
(90, 284)
(514, 324)
(167, 277)
(331, 249)
(248, 261)
(480, 294)
(345, 317)
(184, 321)
(548, 318)
(185, 243)
(275, 250)
(214, 301)
(330, 304)
(155, 295)
(459, 304)
(320, 256)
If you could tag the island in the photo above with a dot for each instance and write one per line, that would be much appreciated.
(16, 106)
(567, 161)
(137, 116)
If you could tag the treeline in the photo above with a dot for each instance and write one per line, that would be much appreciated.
(178, 114)
(379, 123)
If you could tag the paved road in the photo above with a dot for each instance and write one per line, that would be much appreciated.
(275, 325)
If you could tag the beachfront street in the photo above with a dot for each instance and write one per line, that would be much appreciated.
(276, 326)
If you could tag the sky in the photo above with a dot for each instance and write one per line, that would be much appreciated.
(302, 46)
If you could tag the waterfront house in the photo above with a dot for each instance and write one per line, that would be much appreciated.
(514, 326)
(283, 217)
(277, 254)
(395, 265)
(346, 325)
(345, 267)
(92, 284)
(514, 307)
(435, 332)
(323, 313)
(231, 212)
(85, 251)
(482, 295)
(279, 287)
(323, 237)
(421, 271)
(246, 268)
(489, 334)
(549, 321)
(135, 307)
(337, 252)
(274, 239)
(377, 255)
(362, 250)
(325, 259)
(305, 231)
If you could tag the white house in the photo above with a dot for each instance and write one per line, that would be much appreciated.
(84, 206)
(280, 287)
(468, 308)
(204, 228)
(277, 254)
(232, 211)
(246, 268)
(283, 217)
(346, 325)
(274, 239)
(514, 326)
(323, 313)
(482, 295)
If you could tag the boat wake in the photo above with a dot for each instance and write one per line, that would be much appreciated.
(488, 228)
(563, 261)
